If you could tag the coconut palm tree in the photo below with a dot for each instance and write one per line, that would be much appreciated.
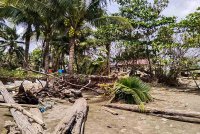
(24, 17)
(74, 13)
(33, 15)
(10, 43)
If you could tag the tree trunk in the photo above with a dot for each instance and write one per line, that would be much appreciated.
(46, 54)
(27, 45)
(108, 59)
(149, 60)
(77, 65)
(71, 55)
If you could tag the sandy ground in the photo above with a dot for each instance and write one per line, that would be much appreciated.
(102, 122)
(134, 123)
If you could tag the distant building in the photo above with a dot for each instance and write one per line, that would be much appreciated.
(125, 66)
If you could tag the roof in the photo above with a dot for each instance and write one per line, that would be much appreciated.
(132, 62)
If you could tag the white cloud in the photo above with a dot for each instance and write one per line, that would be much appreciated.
(178, 8)
(181, 8)
(20, 30)
(112, 8)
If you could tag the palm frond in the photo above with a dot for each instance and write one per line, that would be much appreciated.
(132, 90)
(106, 20)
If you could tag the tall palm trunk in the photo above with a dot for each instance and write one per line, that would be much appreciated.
(71, 55)
(149, 60)
(27, 45)
(148, 55)
(108, 59)
(56, 57)
(46, 54)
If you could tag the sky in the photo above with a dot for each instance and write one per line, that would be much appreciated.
(178, 8)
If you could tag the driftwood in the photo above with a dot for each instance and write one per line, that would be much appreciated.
(135, 108)
(25, 96)
(11, 128)
(21, 120)
(57, 100)
(179, 118)
(85, 85)
(1, 98)
(22, 105)
(70, 86)
(10, 89)
(171, 114)
(110, 111)
(25, 112)
(74, 120)
(37, 113)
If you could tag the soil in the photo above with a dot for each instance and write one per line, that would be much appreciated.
(101, 122)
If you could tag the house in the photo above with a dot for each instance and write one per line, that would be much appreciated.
(126, 66)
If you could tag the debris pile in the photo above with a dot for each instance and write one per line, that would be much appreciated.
(72, 86)
(30, 121)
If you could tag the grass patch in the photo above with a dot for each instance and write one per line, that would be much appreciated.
(17, 73)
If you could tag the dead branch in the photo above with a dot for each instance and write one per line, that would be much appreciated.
(110, 111)
(85, 85)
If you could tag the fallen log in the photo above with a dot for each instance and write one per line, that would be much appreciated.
(135, 108)
(22, 121)
(80, 118)
(10, 128)
(179, 118)
(6, 105)
(25, 112)
(37, 127)
(1, 98)
(10, 89)
(74, 120)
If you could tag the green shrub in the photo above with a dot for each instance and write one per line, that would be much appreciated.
(17, 73)
(132, 90)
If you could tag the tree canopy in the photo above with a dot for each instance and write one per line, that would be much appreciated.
(81, 35)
